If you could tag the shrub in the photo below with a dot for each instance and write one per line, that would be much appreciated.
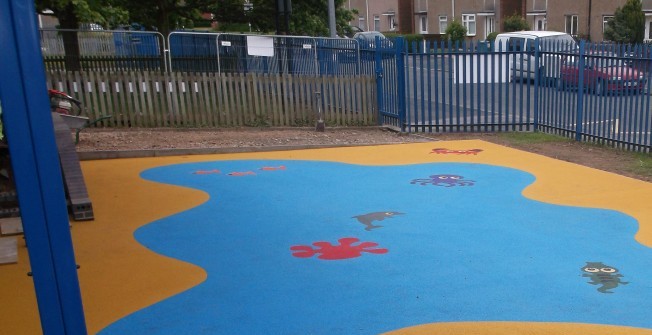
(409, 39)
(492, 36)
(456, 32)
(515, 23)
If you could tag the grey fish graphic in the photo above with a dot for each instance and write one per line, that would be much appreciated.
(369, 218)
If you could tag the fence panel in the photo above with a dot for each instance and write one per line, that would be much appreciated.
(463, 87)
(601, 94)
(179, 99)
(102, 50)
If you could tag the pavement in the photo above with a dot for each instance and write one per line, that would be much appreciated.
(457, 237)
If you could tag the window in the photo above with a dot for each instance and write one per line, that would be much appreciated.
(443, 24)
(422, 6)
(376, 23)
(571, 24)
(423, 24)
(539, 22)
(361, 23)
(605, 21)
(648, 30)
(391, 22)
(489, 25)
(468, 20)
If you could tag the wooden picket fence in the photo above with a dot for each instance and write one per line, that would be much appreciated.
(155, 99)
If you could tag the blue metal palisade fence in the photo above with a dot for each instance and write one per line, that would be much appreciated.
(590, 92)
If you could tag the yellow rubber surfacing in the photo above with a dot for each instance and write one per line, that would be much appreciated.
(119, 276)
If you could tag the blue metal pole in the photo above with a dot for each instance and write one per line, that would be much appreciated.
(400, 80)
(580, 93)
(537, 83)
(379, 81)
(34, 157)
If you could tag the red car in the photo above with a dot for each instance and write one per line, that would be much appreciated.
(603, 73)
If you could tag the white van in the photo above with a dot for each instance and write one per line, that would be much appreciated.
(522, 64)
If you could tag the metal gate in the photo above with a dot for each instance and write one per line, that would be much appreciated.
(590, 92)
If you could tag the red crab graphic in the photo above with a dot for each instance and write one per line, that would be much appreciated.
(344, 250)
(457, 152)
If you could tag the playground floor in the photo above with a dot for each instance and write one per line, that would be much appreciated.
(457, 237)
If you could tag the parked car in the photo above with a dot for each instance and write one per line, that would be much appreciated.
(354, 30)
(367, 39)
(522, 62)
(603, 73)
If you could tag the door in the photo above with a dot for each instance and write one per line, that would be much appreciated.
(540, 23)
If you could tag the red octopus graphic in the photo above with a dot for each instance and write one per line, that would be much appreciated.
(446, 180)
(456, 152)
(344, 250)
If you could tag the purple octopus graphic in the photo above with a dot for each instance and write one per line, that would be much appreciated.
(446, 180)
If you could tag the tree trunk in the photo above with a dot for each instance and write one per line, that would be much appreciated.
(68, 20)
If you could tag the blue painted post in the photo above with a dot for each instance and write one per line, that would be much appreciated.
(400, 80)
(580, 92)
(34, 157)
(537, 83)
(380, 96)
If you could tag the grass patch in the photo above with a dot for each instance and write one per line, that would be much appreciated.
(642, 164)
(518, 138)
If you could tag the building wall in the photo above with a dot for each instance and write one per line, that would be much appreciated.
(406, 16)
(590, 15)
(371, 10)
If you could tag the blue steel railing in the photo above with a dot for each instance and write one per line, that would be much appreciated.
(590, 92)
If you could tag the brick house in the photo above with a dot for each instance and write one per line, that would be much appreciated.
(582, 18)
(480, 17)
(375, 15)
(585, 19)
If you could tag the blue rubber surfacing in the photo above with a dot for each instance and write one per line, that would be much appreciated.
(467, 246)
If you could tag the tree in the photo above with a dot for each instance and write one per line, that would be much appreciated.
(628, 24)
(168, 15)
(515, 23)
(71, 13)
(309, 17)
(456, 32)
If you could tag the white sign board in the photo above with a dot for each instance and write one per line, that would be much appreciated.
(226, 43)
(260, 46)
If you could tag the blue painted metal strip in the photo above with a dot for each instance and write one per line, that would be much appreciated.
(380, 95)
(400, 81)
(580, 93)
(30, 133)
(428, 71)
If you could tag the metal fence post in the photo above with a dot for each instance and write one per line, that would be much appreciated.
(538, 77)
(580, 92)
(379, 79)
(400, 79)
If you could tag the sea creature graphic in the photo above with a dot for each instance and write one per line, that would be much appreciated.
(456, 152)
(369, 218)
(603, 274)
(446, 180)
(344, 250)
(240, 174)
(215, 171)
(272, 168)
